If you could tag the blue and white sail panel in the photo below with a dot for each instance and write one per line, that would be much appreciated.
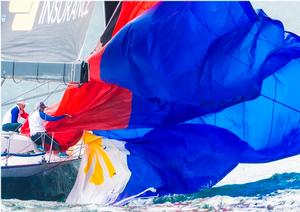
(103, 173)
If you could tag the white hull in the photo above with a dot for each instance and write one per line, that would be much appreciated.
(17, 163)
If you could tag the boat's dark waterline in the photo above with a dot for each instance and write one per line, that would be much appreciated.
(52, 185)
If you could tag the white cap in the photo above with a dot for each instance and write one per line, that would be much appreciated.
(21, 101)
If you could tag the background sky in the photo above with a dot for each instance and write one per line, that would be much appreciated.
(288, 12)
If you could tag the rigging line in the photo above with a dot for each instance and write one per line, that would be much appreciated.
(54, 91)
(23, 93)
(126, 200)
(2, 81)
(34, 97)
(285, 105)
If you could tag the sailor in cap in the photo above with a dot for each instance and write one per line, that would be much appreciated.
(12, 116)
(37, 128)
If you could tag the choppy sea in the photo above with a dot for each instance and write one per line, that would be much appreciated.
(281, 192)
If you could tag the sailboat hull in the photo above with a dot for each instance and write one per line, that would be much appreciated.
(32, 169)
(20, 158)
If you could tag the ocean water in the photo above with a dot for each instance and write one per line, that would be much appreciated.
(278, 193)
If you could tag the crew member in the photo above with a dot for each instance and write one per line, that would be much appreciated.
(12, 116)
(37, 129)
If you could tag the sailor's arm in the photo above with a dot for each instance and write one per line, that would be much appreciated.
(24, 115)
(14, 115)
(50, 118)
